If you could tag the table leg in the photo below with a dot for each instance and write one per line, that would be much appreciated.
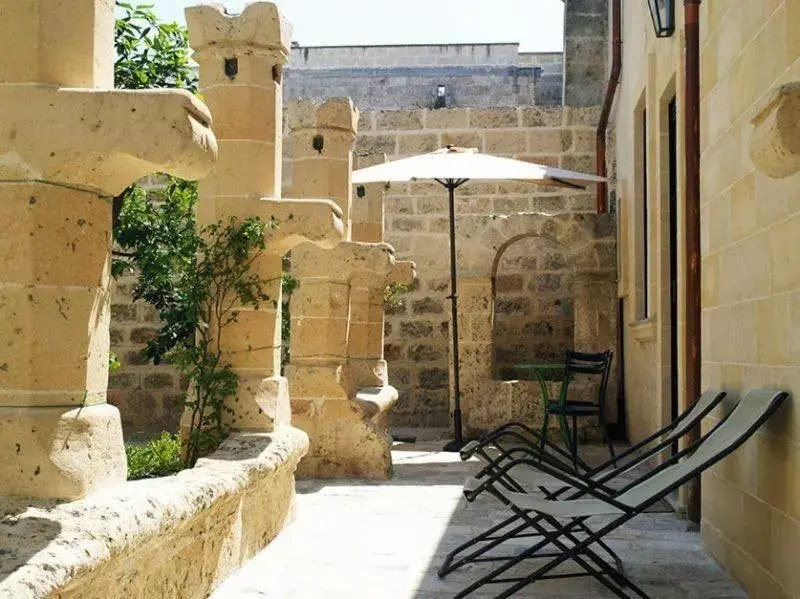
(562, 419)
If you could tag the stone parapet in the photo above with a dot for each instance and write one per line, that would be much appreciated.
(177, 536)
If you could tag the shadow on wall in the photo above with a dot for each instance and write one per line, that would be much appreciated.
(533, 304)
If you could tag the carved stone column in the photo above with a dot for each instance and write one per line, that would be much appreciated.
(338, 377)
(241, 61)
(68, 143)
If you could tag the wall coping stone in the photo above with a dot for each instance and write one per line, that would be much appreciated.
(47, 546)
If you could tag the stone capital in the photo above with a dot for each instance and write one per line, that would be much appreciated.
(346, 260)
(337, 114)
(775, 141)
(259, 30)
(102, 139)
(299, 221)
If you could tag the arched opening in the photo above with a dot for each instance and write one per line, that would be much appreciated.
(533, 304)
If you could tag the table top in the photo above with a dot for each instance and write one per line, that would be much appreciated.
(544, 370)
(550, 366)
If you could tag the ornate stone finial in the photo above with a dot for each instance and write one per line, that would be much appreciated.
(322, 151)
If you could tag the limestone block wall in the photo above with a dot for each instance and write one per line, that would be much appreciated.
(148, 397)
(585, 51)
(750, 271)
(417, 333)
(533, 305)
(751, 288)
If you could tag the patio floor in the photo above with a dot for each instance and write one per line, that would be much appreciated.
(385, 541)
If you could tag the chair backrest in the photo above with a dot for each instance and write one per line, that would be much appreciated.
(692, 416)
(743, 421)
(588, 363)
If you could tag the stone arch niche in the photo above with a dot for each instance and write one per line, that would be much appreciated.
(586, 243)
(533, 304)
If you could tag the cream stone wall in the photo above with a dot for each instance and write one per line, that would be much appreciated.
(652, 76)
(750, 274)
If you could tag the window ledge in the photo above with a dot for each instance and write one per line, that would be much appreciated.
(644, 330)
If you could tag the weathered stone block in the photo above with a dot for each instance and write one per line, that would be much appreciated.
(428, 306)
(390, 120)
(376, 144)
(416, 143)
(425, 353)
(453, 118)
(494, 118)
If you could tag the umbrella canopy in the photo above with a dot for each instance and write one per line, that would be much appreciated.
(468, 164)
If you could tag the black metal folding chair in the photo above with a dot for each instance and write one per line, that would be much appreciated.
(495, 456)
(561, 521)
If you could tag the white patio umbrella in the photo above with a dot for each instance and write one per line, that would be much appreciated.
(452, 167)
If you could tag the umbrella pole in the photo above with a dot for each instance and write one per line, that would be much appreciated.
(458, 442)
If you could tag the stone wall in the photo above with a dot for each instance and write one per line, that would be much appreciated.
(585, 51)
(405, 77)
(417, 334)
(750, 271)
(166, 538)
(148, 397)
(533, 305)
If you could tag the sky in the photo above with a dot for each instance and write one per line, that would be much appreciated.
(536, 24)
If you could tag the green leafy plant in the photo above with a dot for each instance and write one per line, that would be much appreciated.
(113, 362)
(392, 296)
(288, 286)
(196, 280)
(150, 54)
(159, 457)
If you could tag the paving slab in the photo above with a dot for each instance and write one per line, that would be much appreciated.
(385, 540)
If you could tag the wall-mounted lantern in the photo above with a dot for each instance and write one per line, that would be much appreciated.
(663, 13)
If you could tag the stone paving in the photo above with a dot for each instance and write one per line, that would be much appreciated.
(386, 540)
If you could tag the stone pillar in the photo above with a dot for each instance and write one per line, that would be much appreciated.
(241, 62)
(337, 312)
(68, 143)
(585, 52)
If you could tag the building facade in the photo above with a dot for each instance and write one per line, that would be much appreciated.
(749, 222)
